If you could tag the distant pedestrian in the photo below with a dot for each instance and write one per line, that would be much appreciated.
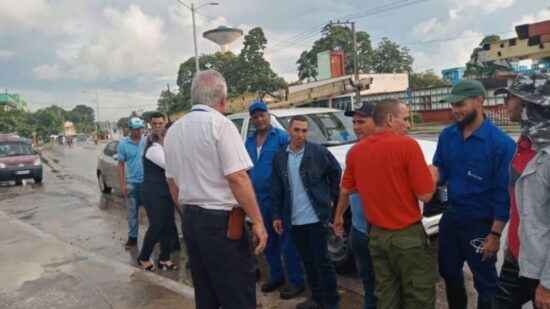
(207, 161)
(130, 151)
(305, 185)
(472, 157)
(158, 204)
(158, 120)
(262, 146)
(363, 126)
(525, 273)
(390, 173)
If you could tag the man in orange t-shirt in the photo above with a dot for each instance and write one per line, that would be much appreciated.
(389, 172)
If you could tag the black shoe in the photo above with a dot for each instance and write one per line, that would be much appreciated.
(308, 304)
(258, 275)
(271, 286)
(132, 241)
(167, 265)
(291, 291)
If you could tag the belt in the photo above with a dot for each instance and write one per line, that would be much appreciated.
(200, 210)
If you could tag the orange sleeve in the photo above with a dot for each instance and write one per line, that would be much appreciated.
(418, 171)
(348, 180)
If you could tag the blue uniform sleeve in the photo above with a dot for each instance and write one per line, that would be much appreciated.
(504, 154)
(439, 159)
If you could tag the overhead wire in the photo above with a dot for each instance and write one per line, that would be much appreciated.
(315, 30)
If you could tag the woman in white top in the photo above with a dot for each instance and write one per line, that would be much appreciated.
(155, 196)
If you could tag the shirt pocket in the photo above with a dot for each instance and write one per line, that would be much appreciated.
(477, 177)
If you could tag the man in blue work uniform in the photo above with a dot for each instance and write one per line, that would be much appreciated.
(472, 157)
(130, 153)
(262, 145)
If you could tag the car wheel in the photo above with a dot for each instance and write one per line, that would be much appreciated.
(339, 249)
(38, 180)
(102, 186)
(19, 182)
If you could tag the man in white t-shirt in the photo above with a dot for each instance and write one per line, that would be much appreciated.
(206, 168)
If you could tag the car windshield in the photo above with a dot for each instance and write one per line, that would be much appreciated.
(14, 149)
(330, 128)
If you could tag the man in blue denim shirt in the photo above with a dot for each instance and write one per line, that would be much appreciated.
(262, 146)
(363, 126)
(130, 152)
(472, 157)
(306, 183)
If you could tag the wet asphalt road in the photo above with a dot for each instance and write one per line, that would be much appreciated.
(73, 211)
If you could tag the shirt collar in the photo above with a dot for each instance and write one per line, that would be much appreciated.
(483, 132)
(299, 152)
(203, 107)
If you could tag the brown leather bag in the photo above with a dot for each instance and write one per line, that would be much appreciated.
(235, 226)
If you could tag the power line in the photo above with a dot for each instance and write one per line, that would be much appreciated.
(314, 30)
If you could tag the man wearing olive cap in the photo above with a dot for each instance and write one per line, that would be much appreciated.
(472, 157)
(525, 274)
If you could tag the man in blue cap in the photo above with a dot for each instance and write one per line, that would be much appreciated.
(130, 152)
(472, 157)
(262, 145)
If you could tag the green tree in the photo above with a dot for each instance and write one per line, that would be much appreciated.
(247, 72)
(427, 79)
(253, 72)
(48, 122)
(83, 117)
(336, 37)
(389, 57)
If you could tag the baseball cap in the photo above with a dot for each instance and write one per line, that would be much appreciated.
(364, 108)
(135, 123)
(257, 106)
(534, 88)
(464, 89)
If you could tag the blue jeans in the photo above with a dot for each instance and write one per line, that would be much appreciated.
(280, 244)
(455, 247)
(360, 248)
(132, 203)
(311, 242)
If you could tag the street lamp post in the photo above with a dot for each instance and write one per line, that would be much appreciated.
(193, 9)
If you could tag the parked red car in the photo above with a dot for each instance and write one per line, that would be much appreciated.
(18, 161)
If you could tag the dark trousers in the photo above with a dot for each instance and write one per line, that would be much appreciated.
(280, 244)
(222, 270)
(457, 241)
(311, 242)
(513, 291)
(360, 248)
(160, 212)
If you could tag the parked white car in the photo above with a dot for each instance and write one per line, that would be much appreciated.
(334, 130)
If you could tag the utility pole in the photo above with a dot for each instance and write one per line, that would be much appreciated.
(355, 66)
(97, 111)
(169, 104)
(195, 39)
(355, 60)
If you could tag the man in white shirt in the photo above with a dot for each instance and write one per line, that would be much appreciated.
(206, 164)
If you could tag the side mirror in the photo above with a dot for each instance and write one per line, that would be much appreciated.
(115, 156)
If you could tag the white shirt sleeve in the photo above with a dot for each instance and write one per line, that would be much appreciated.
(155, 153)
(231, 151)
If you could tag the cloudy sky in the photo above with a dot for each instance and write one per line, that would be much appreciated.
(65, 52)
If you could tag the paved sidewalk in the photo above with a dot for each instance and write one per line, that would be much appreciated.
(39, 271)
